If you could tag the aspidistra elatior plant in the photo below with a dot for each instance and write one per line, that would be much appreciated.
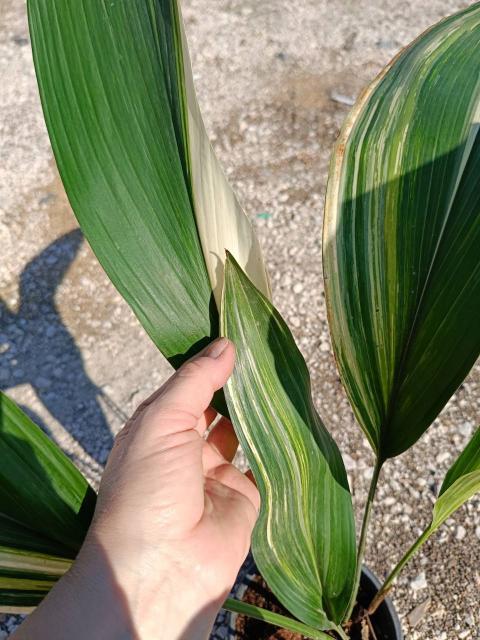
(402, 282)
(130, 145)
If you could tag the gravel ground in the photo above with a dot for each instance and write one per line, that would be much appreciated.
(72, 353)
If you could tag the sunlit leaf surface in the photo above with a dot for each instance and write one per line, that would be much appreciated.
(402, 236)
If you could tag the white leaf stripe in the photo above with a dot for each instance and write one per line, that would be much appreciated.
(19, 560)
(12, 610)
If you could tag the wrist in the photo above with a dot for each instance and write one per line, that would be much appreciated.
(85, 603)
(153, 593)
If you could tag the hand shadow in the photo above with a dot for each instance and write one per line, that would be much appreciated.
(37, 349)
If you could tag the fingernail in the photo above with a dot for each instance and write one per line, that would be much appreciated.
(216, 349)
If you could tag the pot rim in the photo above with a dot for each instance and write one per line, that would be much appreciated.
(249, 570)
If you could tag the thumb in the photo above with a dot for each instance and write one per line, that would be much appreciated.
(183, 399)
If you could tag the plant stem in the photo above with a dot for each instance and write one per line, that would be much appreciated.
(387, 585)
(237, 606)
(363, 537)
(341, 633)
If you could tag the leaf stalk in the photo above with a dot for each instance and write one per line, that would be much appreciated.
(341, 633)
(363, 537)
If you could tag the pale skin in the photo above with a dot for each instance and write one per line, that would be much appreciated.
(172, 524)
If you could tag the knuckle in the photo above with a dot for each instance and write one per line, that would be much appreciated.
(182, 438)
(191, 369)
(173, 416)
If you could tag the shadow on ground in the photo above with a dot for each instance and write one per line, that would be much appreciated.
(36, 348)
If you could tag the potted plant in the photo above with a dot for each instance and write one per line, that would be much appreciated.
(402, 281)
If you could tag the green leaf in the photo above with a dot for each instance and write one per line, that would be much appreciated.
(120, 107)
(16, 536)
(251, 611)
(22, 563)
(23, 595)
(26, 577)
(468, 461)
(461, 483)
(30, 564)
(46, 506)
(304, 541)
(454, 497)
(40, 489)
(401, 236)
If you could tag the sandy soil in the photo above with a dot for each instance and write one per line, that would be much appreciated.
(72, 353)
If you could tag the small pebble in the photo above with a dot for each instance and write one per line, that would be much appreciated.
(420, 582)
(416, 615)
(368, 473)
(298, 287)
(466, 429)
(348, 101)
(349, 462)
(461, 533)
(470, 620)
(442, 457)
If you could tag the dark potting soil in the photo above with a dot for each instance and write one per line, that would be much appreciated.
(260, 595)
(249, 629)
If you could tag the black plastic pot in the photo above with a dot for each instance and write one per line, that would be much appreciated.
(385, 621)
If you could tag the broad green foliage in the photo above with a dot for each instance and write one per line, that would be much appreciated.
(304, 541)
(26, 577)
(401, 236)
(120, 107)
(30, 564)
(402, 277)
(39, 487)
(45, 509)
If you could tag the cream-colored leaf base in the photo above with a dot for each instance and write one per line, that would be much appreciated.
(222, 223)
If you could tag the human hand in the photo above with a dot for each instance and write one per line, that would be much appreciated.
(174, 517)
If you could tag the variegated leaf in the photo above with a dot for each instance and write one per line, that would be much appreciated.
(46, 506)
(304, 541)
(402, 232)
